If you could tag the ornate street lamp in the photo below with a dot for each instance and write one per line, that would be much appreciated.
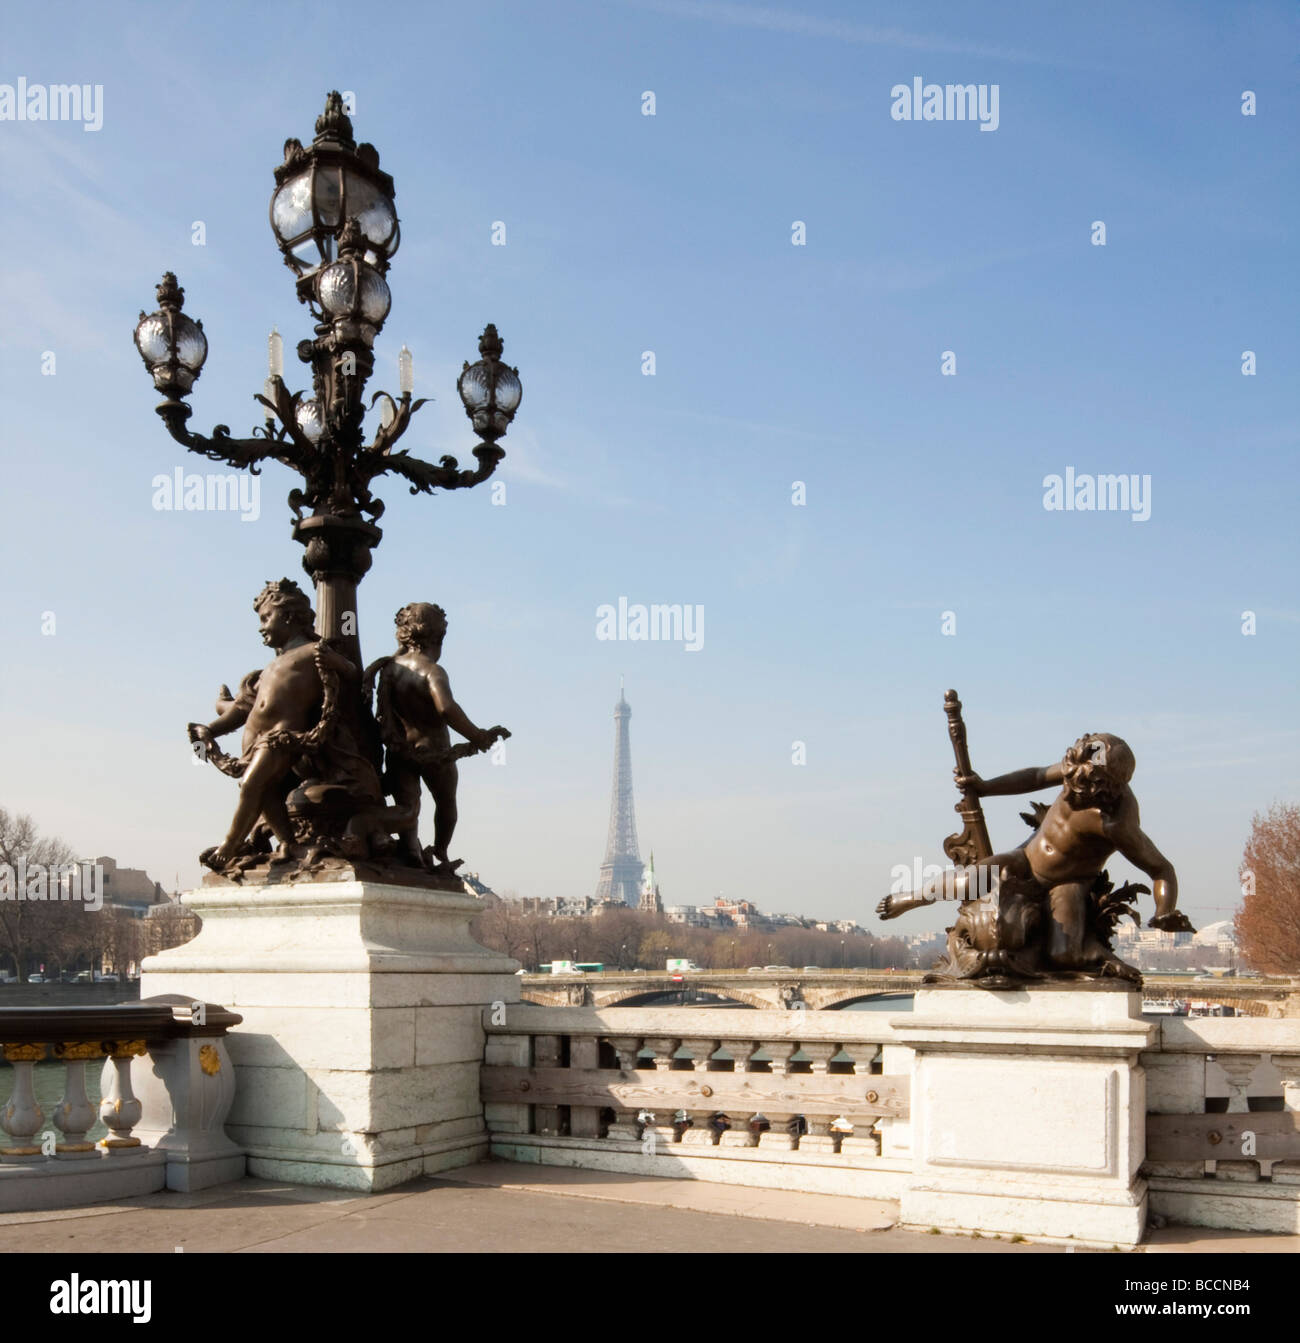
(334, 219)
(172, 345)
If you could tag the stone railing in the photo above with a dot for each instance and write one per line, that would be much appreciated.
(975, 1113)
(1223, 1123)
(167, 1086)
(796, 1100)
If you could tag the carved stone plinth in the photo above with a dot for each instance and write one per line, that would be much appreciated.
(357, 1061)
(1028, 1113)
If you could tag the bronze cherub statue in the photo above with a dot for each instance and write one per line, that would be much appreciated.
(1050, 911)
(306, 777)
(415, 708)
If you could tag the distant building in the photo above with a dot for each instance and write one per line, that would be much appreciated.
(738, 913)
(650, 902)
(129, 889)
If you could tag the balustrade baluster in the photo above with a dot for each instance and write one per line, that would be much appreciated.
(701, 1132)
(1238, 1069)
(74, 1115)
(741, 1052)
(861, 1141)
(584, 1120)
(664, 1130)
(701, 1052)
(778, 1137)
(664, 1048)
(627, 1048)
(740, 1133)
(819, 1137)
(23, 1116)
(1288, 1066)
(546, 1054)
(119, 1109)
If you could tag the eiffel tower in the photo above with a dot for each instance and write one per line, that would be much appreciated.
(620, 873)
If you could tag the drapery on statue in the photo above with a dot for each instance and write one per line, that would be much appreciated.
(415, 708)
(306, 776)
(1050, 910)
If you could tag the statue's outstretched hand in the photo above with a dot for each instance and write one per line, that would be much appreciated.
(201, 740)
(1173, 922)
(969, 783)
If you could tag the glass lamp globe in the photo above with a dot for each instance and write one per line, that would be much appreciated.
(310, 419)
(171, 344)
(490, 390)
(350, 289)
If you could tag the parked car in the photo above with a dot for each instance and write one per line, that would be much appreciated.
(83, 977)
(36, 979)
(111, 977)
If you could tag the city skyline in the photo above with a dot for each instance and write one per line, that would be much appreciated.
(797, 474)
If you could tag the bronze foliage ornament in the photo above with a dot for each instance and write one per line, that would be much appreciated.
(1047, 910)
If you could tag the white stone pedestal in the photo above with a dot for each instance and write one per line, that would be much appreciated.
(357, 1062)
(1028, 1113)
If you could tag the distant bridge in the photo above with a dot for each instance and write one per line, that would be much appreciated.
(827, 990)
(814, 989)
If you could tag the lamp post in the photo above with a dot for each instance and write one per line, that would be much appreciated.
(335, 222)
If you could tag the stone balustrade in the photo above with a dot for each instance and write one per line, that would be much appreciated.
(164, 1115)
(788, 1099)
(1223, 1123)
(828, 1102)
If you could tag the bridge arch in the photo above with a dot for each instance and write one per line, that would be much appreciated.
(838, 1004)
(639, 994)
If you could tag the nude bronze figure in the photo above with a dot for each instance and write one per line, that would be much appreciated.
(1047, 909)
(302, 743)
(415, 710)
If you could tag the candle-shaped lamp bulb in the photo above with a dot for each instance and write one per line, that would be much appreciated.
(405, 372)
(275, 354)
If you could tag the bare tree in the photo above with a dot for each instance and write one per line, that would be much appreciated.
(1268, 922)
(30, 927)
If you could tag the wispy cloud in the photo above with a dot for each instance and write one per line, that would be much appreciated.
(839, 30)
(894, 275)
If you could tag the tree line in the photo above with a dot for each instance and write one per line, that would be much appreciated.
(630, 939)
(64, 935)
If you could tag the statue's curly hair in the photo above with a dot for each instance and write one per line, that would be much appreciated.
(420, 623)
(284, 592)
(1097, 767)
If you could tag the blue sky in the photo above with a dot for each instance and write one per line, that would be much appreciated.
(775, 363)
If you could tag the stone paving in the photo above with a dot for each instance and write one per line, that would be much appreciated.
(499, 1207)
